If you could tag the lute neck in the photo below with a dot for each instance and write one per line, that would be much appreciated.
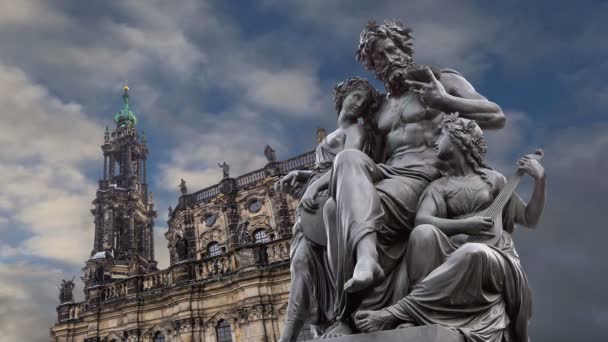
(503, 197)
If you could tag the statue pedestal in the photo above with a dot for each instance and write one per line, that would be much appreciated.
(425, 333)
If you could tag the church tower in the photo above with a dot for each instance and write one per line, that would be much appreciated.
(124, 210)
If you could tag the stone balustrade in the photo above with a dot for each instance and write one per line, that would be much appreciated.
(278, 251)
(158, 280)
(215, 266)
(113, 291)
(186, 272)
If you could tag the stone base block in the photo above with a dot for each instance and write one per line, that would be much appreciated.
(426, 333)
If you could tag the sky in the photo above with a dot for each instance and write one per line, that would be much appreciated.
(215, 81)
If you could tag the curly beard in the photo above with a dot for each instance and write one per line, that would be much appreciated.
(394, 75)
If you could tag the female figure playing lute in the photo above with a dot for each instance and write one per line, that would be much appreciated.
(478, 289)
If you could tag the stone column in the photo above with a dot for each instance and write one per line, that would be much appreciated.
(145, 171)
(132, 242)
(151, 245)
(98, 229)
(231, 210)
(280, 210)
(128, 157)
(105, 167)
(110, 229)
(111, 168)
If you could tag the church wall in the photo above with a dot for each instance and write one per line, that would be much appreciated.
(247, 285)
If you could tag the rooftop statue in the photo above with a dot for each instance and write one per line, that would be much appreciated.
(225, 169)
(66, 291)
(270, 154)
(182, 187)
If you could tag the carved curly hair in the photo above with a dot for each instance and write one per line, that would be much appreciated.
(342, 90)
(468, 138)
(400, 34)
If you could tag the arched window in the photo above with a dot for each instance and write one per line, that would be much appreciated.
(213, 249)
(159, 337)
(260, 236)
(224, 332)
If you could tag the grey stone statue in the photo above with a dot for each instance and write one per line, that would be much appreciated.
(182, 187)
(479, 289)
(66, 291)
(181, 248)
(371, 213)
(225, 169)
(311, 297)
(270, 154)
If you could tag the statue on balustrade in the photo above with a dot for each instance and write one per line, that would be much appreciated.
(225, 169)
(66, 291)
(182, 187)
(270, 154)
(462, 266)
(311, 297)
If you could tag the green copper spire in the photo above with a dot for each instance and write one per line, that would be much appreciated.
(125, 117)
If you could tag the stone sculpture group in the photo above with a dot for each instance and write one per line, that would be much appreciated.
(401, 223)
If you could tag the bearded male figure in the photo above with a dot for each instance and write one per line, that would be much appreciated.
(372, 210)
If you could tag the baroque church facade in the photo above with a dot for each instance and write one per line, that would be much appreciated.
(228, 278)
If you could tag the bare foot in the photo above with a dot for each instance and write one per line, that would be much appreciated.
(340, 329)
(367, 273)
(370, 321)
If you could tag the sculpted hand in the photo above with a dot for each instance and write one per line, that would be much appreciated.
(478, 225)
(309, 199)
(287, 183)
(530, 165)
(431, 93)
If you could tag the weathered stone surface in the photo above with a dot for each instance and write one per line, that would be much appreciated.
(426, 333)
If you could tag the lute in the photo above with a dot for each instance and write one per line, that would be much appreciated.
(494, 211)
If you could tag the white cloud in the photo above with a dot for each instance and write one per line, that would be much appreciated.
(291, 91)
(238, 141)
(29, 12)
(504, 142)
(45, 145)
(28, 292)
(455, 34)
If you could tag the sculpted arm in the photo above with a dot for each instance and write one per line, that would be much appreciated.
(455, 94)
(463, 98)
(529, 214)
(428, 214)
